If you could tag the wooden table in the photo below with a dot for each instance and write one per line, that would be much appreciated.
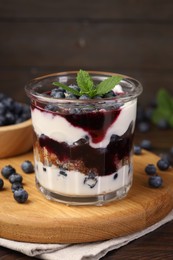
(156, 245)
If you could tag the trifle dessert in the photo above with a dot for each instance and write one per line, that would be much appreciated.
(83, 124)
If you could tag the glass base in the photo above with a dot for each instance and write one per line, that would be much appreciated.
(97, 200)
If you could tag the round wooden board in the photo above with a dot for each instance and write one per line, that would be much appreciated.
(43, 221)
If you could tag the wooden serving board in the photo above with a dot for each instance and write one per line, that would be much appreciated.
(43, 221)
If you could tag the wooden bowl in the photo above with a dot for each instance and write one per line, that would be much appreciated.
(16, 139)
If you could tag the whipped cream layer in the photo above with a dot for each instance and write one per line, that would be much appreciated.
(60, 129)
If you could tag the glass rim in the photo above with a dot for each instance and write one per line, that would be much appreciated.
(35, 95)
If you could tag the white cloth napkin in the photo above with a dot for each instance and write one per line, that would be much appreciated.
(85, 251)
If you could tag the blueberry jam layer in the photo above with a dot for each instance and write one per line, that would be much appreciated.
(94, 122)
(80, 155)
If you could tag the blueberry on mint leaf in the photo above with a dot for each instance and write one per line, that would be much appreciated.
(7, 171)
(150, 169)
(15, 178)
(27, 166)
(1, 184)
(20, 195)
(163, 165)
(155, 181)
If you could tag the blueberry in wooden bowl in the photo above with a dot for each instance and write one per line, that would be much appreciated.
(15, 127)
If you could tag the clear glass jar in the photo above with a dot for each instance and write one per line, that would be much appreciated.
(83, 147)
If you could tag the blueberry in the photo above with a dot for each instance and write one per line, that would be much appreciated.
(63, 173)
(166, 157)
(150, 169)
(18, 108)
(143, 127)
(50, 107)
(75, 110)
(7, 171)
(2, 108)
(146, 144)
(16, 186)
(27, 167)
(109, 94)
(9, 103)
(163, 165)
(20, 195)
(71, 96)
(25, 115)
(155, 181)
(115, 176)
(2, 120)
(162, 124)
(82, 141)
(1, 184)
(2, 96)
(56, 91)
(91, 180)
(15, 178)
(84, 97)
(137, 150)
(10, 118)
(59, 94)
(75, 87)
(114, 138)
(97, 97)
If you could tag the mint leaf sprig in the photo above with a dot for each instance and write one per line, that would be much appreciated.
(87, 87)
(164, 109)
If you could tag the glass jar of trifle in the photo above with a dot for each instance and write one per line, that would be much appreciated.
(83, 124)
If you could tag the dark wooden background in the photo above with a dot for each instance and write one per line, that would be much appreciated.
(134, 37)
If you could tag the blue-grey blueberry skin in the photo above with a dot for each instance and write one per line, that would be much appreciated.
(155, 181)
(20, 195)
(27, 166)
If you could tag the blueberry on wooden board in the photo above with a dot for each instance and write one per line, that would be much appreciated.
(16, 186)
(155, 181)
(15, 178)
(27, 166)
(20, 195)
(163, 165)
(1, 184)
(137, 150)
(7, 171)
(150, 169)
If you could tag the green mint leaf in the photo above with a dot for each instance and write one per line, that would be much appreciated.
(164, 109)
(164, 100)
(171, 121)
(159, 114)
(107, 85)
(67, 88)
(85, 82)
(86, 85)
